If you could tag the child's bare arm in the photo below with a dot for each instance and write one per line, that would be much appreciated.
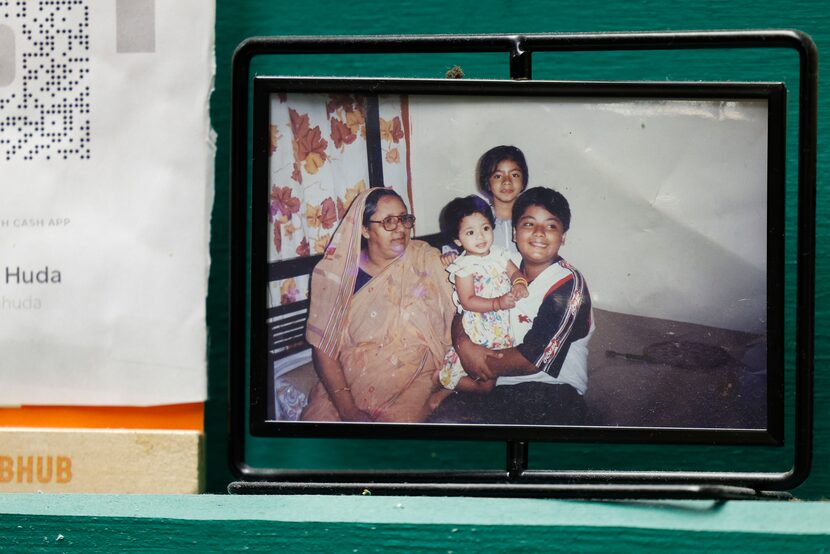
(472, 303)
(519, 289)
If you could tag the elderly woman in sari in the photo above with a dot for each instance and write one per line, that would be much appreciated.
(380, 316)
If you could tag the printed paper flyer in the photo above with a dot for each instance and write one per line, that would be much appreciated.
(106, 161)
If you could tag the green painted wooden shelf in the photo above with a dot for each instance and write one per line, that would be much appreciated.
(213, 523)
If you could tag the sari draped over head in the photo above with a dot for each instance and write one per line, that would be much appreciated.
(390, 337)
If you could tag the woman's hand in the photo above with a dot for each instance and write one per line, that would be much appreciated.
(347, 408)
(331, 375)
(448, 258)
(354, 414)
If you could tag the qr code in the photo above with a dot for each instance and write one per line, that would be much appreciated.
(44, 83)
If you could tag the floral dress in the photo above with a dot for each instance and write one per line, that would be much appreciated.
(490, 329)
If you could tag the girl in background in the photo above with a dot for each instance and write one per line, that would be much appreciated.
(502, 175)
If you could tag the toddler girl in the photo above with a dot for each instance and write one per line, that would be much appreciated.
(487, 284)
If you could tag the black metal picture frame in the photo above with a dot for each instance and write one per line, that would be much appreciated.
(247, 330)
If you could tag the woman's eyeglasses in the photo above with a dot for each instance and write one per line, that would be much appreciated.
(390, 222)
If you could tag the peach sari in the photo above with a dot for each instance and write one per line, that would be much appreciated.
(390, 337)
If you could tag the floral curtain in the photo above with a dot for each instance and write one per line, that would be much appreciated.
(318, 165)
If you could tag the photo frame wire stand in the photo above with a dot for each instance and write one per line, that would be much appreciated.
(517, 480)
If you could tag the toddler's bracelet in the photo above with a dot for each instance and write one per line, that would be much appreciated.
(496, 302)
(341, 390)
(519, 281)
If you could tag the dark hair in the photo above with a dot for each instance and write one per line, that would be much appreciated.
(549, 199)
(489, 160)
(458, 209)
(372, 200)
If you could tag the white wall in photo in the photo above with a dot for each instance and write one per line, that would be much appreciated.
(668, 198)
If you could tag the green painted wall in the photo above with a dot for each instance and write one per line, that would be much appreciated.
(239, 19)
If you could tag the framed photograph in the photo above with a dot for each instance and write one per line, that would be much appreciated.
(637, 235)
